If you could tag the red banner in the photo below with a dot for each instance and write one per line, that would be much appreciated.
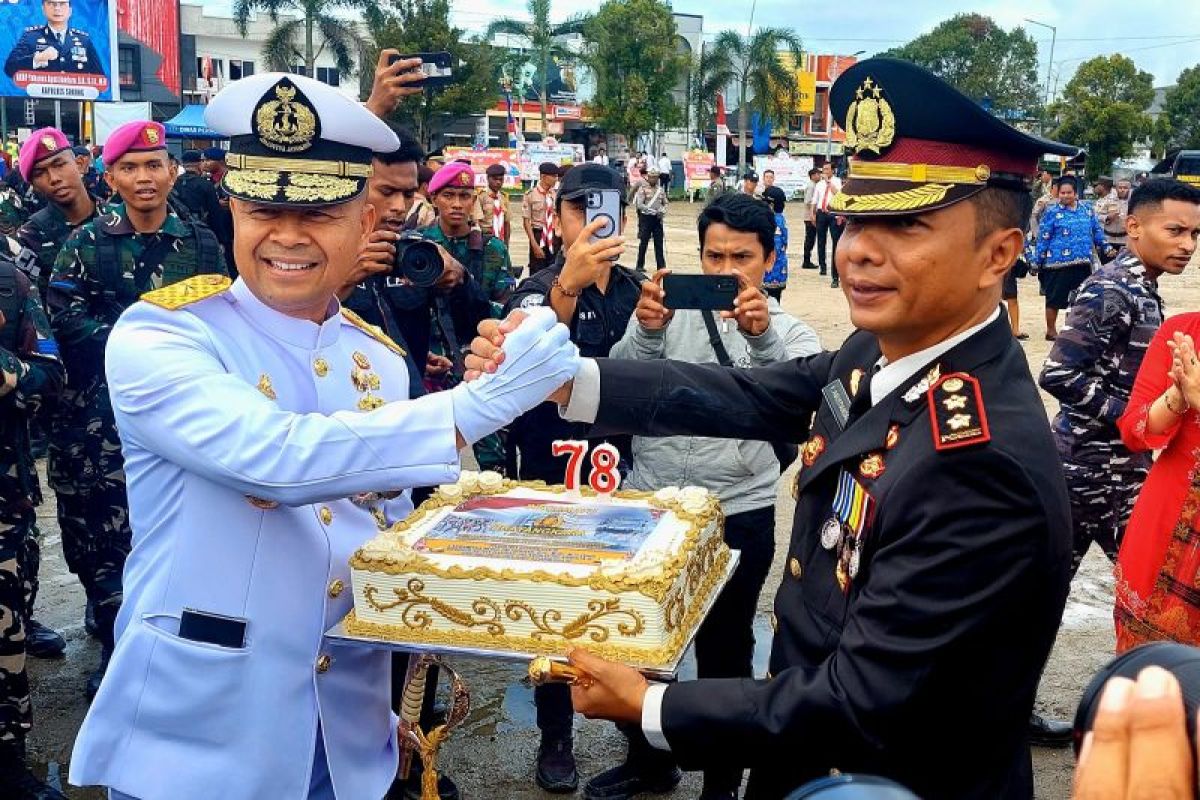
(155, 24)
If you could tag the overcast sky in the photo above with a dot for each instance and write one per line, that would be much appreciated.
(1162, 36)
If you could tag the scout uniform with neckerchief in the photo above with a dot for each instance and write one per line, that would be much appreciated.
(255, 469)
(928, 563)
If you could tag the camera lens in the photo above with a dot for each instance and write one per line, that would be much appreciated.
(1180, 660)
(418, 260)
(607, 229)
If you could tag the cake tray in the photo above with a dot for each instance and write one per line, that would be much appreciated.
(662, 672)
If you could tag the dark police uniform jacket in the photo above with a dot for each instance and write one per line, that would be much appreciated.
(599, 323)
(76, 53)
(924, 667)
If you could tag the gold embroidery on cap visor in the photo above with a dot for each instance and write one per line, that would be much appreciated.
(291, 188)
(883, 188)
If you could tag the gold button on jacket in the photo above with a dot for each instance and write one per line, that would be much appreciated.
(326, 515)
(795, 568)
(323, 662)
(336, 588)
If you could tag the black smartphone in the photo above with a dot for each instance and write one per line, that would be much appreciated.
(704, 292)
(438, 68)
(210, 628)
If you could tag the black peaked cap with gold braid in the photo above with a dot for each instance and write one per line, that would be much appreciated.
(918, 144)
(295, 141)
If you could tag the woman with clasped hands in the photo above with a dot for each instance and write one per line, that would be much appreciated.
(1156, 572)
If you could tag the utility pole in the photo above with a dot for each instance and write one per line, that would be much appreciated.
(1049, 66)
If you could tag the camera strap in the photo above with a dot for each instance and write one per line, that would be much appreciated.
(445, 324)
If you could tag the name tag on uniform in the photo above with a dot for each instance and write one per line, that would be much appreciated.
(838, 400)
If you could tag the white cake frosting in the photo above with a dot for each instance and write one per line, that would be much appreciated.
(512, 575)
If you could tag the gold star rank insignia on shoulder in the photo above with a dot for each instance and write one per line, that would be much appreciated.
(956, 412)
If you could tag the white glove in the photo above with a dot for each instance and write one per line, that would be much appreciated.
(539, 357)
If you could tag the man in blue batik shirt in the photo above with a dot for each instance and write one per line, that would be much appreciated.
(1063, 256)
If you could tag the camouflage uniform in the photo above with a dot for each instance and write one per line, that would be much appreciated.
(42, 237)
(86, 468)
(29, 357)
(1091, 370)
(12, 212)
(486, 258)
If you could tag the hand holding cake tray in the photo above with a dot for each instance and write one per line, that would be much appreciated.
(491, 567)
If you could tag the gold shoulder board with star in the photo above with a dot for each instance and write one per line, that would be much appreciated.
(186, 292)
(373, 331)
(956, 412)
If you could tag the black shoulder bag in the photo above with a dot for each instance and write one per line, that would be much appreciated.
(785, 452)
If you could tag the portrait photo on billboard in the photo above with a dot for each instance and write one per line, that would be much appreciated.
(57, 49)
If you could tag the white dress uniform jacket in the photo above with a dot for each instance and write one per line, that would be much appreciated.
(248, 457)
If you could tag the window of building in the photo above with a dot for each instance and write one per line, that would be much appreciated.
(128, 67)
(239, 69)
(298, 69)
(218, 67)
(329, 76)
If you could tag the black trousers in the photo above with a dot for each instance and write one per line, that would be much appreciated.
(724, 644)
(827, 226)
(650, 227)
(810, 239)
(536, 263)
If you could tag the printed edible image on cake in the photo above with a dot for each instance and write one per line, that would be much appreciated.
(528, 529)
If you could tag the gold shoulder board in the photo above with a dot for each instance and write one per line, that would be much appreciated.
(186, 292)
(373, 331)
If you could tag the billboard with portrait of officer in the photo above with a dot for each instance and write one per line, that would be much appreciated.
(58, 49)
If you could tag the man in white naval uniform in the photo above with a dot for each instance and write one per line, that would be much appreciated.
(267, 434)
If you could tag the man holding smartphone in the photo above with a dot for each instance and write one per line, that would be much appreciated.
(595, 297)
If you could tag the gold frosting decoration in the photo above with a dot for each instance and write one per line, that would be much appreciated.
(656, 588)
(487, 614)
(626, 654)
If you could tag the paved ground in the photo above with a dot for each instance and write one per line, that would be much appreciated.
(492, 755)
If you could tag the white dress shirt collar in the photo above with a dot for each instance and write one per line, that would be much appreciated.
(290, 330)
(889, 376)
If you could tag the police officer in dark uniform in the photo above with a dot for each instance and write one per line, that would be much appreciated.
(930, 552)
(595, 297)
(55, 47)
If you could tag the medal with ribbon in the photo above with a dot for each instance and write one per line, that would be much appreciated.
(852, 512)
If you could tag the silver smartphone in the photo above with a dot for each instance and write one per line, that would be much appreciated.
(604, 204)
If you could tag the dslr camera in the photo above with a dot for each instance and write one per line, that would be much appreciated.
(418, 260)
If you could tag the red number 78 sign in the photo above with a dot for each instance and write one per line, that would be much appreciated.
(604, 478)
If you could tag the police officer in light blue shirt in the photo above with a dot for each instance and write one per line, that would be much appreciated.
(267, 435)
(54, 47)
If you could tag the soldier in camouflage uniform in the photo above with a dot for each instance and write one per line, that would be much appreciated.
(30, 374)
(1095, 359)
(48, 163)
(137, 245)
(486, 259)
(12, 212)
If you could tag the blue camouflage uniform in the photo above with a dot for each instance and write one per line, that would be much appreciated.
(1091, 370)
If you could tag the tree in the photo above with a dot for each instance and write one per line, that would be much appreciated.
(281, 50)
(1103, 108)
(1181, 108)
(545, 40)
(979, 58)
(710, 75)
(1161, 135)
(760, 74)
(631, 51)
(421, 26)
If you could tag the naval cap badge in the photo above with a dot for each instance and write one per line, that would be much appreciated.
(284, 119)
(870, 124)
